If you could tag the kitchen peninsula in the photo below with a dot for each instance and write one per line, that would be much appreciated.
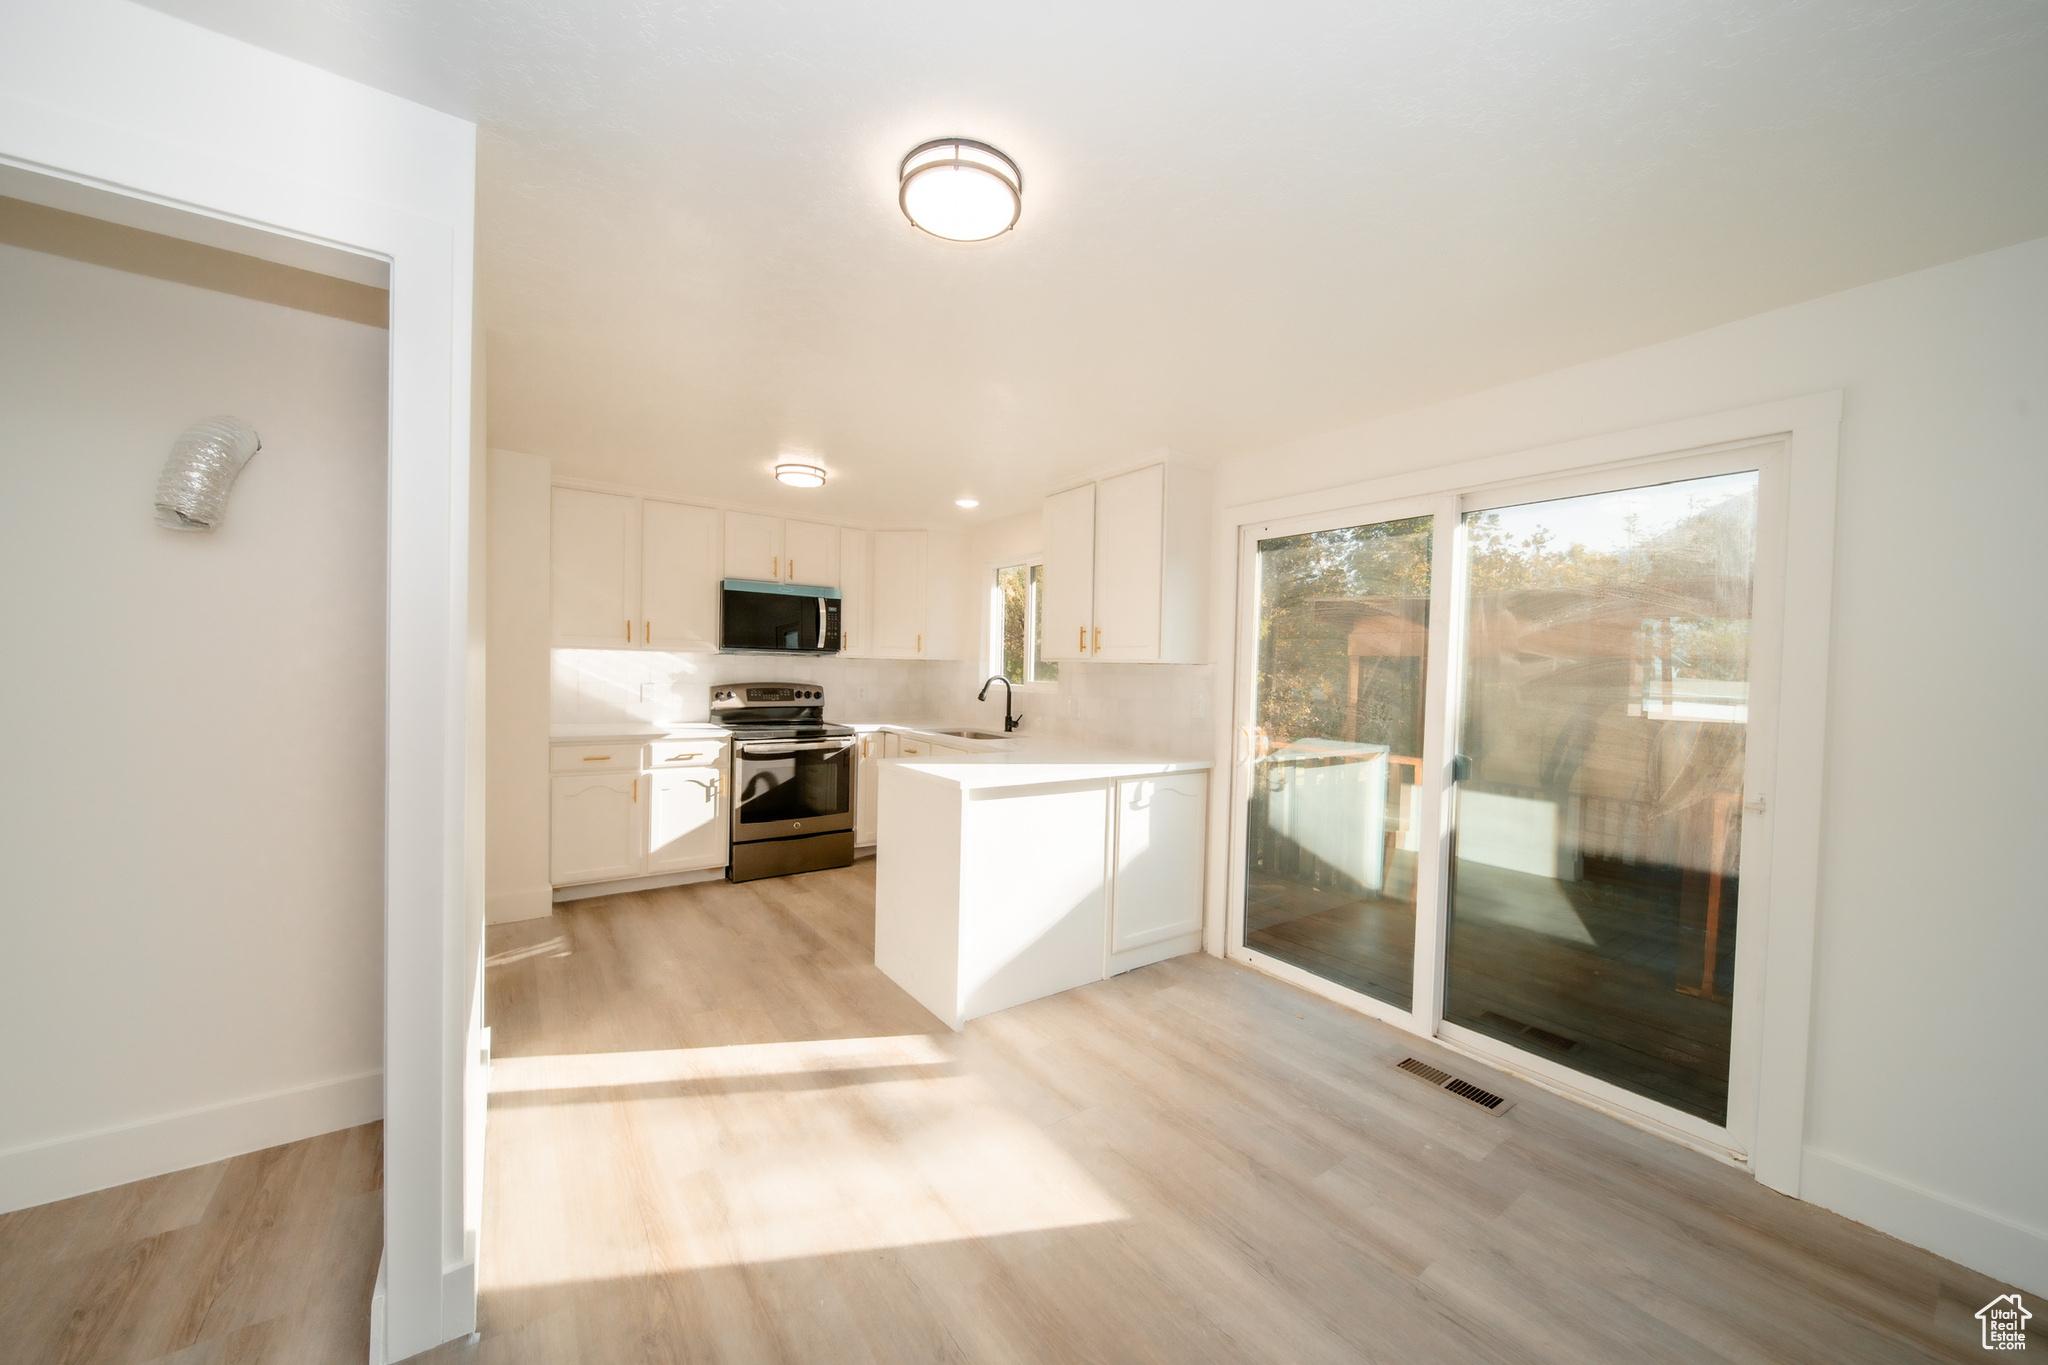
(1015, 873)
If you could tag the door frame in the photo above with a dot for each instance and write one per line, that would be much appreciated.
(1781, 847)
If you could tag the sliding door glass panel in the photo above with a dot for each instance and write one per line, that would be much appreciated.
(1595, 870)
(1331, 835)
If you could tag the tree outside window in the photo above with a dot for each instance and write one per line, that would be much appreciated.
(1020, 590)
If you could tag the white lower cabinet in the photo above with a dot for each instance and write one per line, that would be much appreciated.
(636, 810)
(595, 834)
(1156, 895)
(867, 788)
(685, 820)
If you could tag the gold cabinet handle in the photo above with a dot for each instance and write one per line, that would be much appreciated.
(636, 791)
(629, 632)
(775, 566)
(1098, 639)
(647, 632)
(1081, 645)
(920, 644)
(863, 748)
(597, 758)
(792, 568)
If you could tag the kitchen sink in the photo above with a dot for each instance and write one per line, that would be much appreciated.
(969, 734)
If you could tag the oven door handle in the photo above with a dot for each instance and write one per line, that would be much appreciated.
(766, 750)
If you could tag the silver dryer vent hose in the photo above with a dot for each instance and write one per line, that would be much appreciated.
(192, 495)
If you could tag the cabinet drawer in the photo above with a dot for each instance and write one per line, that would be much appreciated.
(913, 748)
(595, 758)
(685, 753)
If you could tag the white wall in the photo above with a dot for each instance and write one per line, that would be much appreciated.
(193, 866)
(1152, 708)
(519, 530)
(1928, 1110)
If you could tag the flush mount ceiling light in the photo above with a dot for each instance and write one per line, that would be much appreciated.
(798, 475)
(960, 190)
(967, 502)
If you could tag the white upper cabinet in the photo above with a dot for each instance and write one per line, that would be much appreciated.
(1068, 600)
(1129, 566)
(896, 620)
(1126, 567)
(680, 555)
(753, 547)
(854, 591)
(596, 569)
(810, 554)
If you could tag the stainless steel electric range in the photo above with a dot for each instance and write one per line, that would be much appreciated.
(793, 779)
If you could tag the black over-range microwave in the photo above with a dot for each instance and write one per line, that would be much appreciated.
(778, 618)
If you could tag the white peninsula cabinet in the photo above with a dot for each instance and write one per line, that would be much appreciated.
(999, 883)
(1126, 567)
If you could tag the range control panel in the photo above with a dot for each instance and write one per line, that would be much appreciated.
(741, 696)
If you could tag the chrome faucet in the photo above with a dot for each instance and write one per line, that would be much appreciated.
(1009, 722)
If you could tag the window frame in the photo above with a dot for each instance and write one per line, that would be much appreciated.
(992, 654)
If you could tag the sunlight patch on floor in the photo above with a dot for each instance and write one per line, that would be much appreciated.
(725, 1156)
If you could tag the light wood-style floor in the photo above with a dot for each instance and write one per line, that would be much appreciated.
(270, 1257)
(718, 1134)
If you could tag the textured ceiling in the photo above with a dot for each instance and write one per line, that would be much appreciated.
(1242, 223)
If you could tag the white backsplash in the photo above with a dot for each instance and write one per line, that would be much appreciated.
(1161, 709)
(1154, 708)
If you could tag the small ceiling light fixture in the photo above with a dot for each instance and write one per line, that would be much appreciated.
(960, 190)
(967, 502)
(799, 475)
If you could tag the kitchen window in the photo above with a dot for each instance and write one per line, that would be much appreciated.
(1019, 608)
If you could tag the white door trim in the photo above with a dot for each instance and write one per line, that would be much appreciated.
(1796, 542)
(116, 114)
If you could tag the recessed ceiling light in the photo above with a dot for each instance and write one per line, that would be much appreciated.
(800, 475)
(967, 502)
(960, 190)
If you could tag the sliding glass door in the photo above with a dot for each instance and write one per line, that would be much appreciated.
(1538, 855)
(1332, 843)
(1596, 865)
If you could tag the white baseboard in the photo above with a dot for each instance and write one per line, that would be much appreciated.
(92, 1161)
(1984, 1241)
(589, 889)
(533, 902)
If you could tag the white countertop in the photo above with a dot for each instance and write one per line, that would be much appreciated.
(622, 730)
(1018, 761)
(1023, 762)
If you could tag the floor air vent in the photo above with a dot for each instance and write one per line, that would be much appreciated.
(1464, 1090)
